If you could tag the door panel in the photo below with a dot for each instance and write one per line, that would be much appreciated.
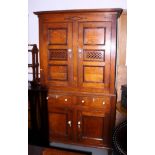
(57, 36)
(59, 64)
(94, 35)
(93, 128)
(94, 54)
(60, 124)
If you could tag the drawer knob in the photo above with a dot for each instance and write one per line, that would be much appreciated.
(82, 101)
(103, 103)
(47, 98)
(70, 123)
(79, 123)
(65, 99)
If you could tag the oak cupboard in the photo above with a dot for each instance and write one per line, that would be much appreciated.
(78, 58)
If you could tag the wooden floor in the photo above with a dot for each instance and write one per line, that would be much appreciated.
(35, 150)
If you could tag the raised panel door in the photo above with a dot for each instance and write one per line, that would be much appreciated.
(93, 127)
(94, 54)
(60, 124)
(57, 54)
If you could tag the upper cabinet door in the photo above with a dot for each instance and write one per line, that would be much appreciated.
(94, 54)
(57, 54)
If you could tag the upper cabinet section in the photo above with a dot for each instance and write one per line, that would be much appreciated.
(78, 49)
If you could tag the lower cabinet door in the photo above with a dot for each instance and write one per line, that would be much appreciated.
(60, 124)
(93, 128)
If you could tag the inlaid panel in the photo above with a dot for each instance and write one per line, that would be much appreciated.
(58, 72)
(93, 55)
(58, 54)
(93, 74)
(94, 36)
(57, 36)
(93, 127)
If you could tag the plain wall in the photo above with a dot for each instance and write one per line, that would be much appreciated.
(44, 5)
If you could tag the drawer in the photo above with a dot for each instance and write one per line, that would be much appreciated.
(95, 101)
(60, 100)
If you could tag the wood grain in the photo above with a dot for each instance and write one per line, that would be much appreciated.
(81, 105)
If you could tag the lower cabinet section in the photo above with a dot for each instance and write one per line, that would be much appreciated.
(79, 124)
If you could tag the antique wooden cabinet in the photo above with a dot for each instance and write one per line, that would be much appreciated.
(78, 57)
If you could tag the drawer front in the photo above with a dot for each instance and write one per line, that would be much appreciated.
(60, 100)
(95, 101)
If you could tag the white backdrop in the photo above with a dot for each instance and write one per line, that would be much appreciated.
(44, 5)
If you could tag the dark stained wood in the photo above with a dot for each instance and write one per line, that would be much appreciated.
(117, 11)
(78, 61)
(38, 118)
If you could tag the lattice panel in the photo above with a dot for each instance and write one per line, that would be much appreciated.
(93, 55)
(58, 54)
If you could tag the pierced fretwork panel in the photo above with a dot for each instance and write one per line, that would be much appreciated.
(93, 55)
(58, 54)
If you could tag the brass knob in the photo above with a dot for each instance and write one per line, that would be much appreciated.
(70, 123)
(79, 123)
(69, 50)
(103, 103)
(70, 53)
(65, 99)
(80, 50)
(82, 101)
(47, 98)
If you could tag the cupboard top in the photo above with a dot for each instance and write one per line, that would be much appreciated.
(116, 11)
